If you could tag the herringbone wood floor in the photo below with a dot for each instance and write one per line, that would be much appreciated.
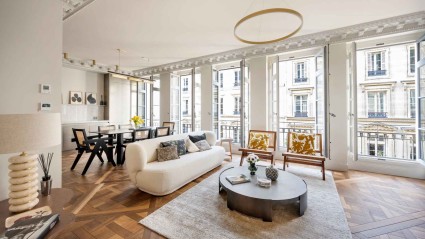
(107, 205)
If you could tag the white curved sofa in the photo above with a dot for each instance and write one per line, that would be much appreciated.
(161, 178)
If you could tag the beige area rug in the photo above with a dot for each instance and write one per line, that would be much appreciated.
(201, 212)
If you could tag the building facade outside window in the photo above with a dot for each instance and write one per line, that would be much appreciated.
(376, 145)
(221, 80)
(221, 105)
(237, 105)
(411, 61)
(376, 104)
(185, 107)
(300, 106)
(377, 63)
(237, 79)
(185, 86)
(300, 72)
(412, 104)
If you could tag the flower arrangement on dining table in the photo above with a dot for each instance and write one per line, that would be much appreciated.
(137, 120)
(252, 159)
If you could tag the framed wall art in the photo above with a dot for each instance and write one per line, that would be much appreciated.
(91, 98)
(75, 97)
(45, 88)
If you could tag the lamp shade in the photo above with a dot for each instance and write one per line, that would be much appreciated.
(25, 132)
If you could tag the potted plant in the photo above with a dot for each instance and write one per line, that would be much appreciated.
(46, 183)
(252, 159)
(137, 120)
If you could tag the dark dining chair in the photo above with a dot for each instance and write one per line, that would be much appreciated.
(94, 145)
(162, 131)
(169, 124)
(141, 134)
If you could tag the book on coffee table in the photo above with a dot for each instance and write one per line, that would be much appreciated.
(33, 228)
(238, 179)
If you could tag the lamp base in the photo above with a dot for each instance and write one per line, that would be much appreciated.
(23, 182)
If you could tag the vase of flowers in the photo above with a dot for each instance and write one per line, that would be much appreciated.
(46, 183)
(137, 121)
(252, 159)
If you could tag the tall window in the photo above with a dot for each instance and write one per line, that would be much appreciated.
(185, 86)
(411, 61)
(300, 109)
(300, 72)
(376, 62)
(138, 100)
(412, 104)
(376, 104)
(221, 80)
(237, 79)
(376, 145)
(156, 101)
(186, 107)
(221, 105)
(237, 105)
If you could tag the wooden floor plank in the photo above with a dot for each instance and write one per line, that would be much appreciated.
(108, 205)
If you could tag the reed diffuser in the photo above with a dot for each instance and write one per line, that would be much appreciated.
(46, 183)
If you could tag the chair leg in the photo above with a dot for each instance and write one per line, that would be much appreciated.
(272, 160)
(93, 153)
(242, 156)
(284, 163)
(323, 170)
(109, 156)
(99, 156)
(80, 153)
(123, 157)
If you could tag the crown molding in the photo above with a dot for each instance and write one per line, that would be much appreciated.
(91, 65)
(70, 7)
(393, 25)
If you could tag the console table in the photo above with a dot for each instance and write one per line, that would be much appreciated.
(56, 201)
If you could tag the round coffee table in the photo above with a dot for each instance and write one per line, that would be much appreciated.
(253, 200)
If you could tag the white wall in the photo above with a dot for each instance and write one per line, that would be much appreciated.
(29, 57)
(165, 94)
(84, 81)
(258, 94)
(207, 98)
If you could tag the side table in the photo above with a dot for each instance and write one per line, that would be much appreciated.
(56, 201)
(230, 142)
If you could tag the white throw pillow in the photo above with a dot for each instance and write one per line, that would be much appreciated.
(191, 147)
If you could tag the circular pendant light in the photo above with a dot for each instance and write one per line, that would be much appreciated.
(267, 11)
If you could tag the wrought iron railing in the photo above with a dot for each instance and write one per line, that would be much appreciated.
(230, 131)
(381, 145)
(300, 79)
(300, 114)
(236, 112)
(377, 115)
(186, 128)
(377, 73)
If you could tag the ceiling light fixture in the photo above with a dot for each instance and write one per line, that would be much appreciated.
(119, 75)
(264, 12)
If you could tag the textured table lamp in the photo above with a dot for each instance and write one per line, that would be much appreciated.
(21, 133)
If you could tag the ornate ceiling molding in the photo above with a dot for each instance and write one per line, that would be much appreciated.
(70, 7)
(91, 65)
(393, 25)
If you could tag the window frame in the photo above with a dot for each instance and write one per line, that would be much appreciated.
(305, 71)
(384, 66)
(301, 105)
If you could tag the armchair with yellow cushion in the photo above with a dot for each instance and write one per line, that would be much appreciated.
(304, 149)
(262, 143)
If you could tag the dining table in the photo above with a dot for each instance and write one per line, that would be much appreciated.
(120, 140)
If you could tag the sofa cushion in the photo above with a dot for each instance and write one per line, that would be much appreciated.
(203, 145)
(180, 144)
(196, 138)
(167, 153)
(190, 146)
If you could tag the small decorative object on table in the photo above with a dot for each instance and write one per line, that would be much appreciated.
(272, 173)
(252, 159)
(46, 183)
(137, 120)
(264, 182)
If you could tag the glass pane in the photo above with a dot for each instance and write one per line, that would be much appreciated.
(186, 103)
(422, 112)
(422, 81)
(422, 143)
(421, 50)
(197, 97)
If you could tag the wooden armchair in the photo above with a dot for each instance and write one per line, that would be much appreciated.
(315, 159)
(94, 145)
(262, 154)
(162, 131)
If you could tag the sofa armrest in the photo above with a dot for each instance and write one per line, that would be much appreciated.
(135, 159)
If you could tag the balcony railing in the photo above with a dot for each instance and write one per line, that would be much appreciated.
(186, 128)
(300, 79)
(381, 145)
(230, 131)
(377, 73)
(236, 84)
(185, 89)
(185, 112)
(300, 114)
(377, 114)
(236, 112)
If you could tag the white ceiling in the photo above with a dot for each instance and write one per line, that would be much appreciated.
(167, 31)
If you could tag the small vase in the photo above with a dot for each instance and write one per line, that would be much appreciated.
(272, 173)
(46, 187)
(252, 168)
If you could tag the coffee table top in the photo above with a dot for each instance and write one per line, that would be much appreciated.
(287, 186)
